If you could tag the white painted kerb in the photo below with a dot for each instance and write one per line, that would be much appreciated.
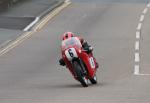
(31, 24)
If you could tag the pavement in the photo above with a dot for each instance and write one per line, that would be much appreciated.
(15, 19)
(25, 12)
(30, 73)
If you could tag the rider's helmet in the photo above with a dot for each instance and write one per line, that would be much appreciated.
(67, 35)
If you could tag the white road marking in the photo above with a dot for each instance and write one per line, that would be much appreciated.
(47, 18)
(145, 10)
(148, 5)
(137, 57)
(31, 24)
(136, 70)
(143, 74)
(138, 35)
(137, 45)
(6, 42)
(37, 19)
(142, 18)
(15, 43)
(139, 26)
(137, 42)
(29, 33)
(66, 1)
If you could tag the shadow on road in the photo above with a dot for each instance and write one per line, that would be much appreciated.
(74, 86)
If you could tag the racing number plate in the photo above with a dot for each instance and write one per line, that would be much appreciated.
(92, 63)
(71, 53)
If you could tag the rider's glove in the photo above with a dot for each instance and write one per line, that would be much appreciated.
(90, 48)
(87, 47)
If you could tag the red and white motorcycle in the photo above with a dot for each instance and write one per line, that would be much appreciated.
(81, 65)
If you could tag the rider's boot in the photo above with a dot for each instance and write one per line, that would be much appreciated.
(61, 62)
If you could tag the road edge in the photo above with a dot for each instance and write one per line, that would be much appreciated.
(42, 15)
(36, 28)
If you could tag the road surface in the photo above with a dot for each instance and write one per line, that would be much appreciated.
(30, 72)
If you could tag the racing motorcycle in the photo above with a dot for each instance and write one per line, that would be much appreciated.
(81, 64)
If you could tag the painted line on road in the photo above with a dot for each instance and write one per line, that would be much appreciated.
(15, 43)
(148, 5)
(145, 10)
(142, 18)
(47, 18)
(137, 45)
(137, 57)
(139, 26)
(138, 34)
(29, 33)
(137, 41)
(136, 70)
(31, 24)
(6, 42)
(67, 1)
(140, 74)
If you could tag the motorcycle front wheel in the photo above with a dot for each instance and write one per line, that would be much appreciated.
(80, 74)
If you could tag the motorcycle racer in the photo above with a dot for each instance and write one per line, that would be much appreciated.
(85, 46)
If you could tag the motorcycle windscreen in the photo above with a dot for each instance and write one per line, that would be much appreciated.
(74, 41)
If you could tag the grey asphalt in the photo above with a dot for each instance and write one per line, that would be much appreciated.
(30, 72)
(6, 36)
(145, 48)
(16, 23)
